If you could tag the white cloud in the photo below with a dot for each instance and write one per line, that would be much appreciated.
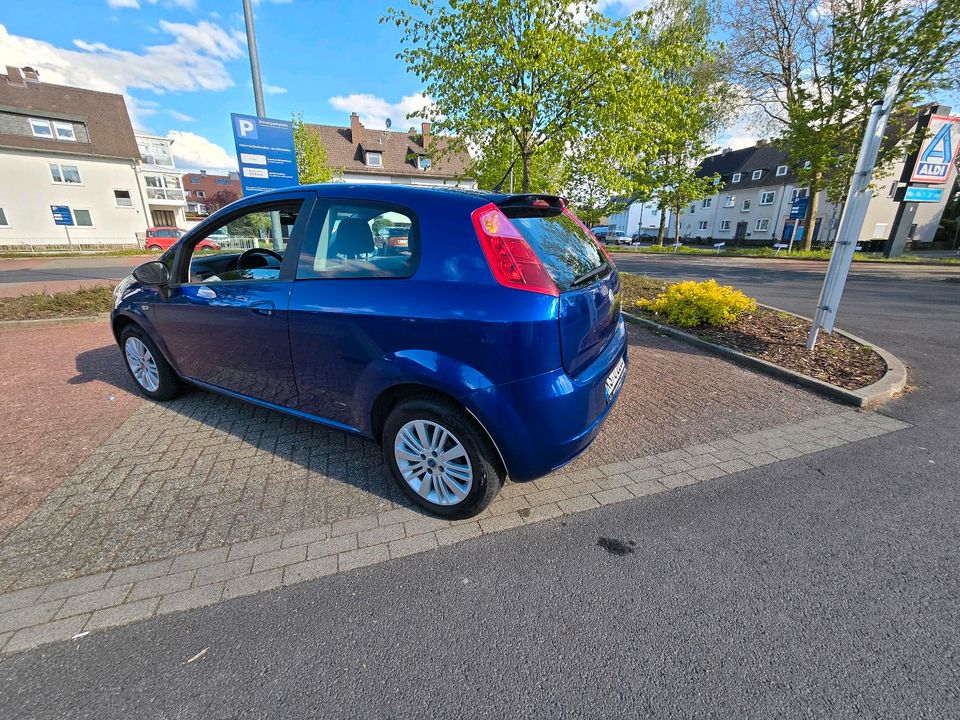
(739, 134)
(182, 117)
(193, 60)
(622, 6)
(195, 152)
(124, 4)
(374, 111)
(273, 89)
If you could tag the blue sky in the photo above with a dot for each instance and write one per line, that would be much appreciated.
(183, 65)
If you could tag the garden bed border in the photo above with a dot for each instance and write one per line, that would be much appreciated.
(894, 380)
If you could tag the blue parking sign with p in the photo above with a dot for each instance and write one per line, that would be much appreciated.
(245, 127)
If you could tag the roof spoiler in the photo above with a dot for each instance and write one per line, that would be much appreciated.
(533, 201)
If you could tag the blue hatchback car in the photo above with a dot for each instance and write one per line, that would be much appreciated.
(488, 344)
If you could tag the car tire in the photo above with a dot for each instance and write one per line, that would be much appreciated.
(147, 366)
(414, 428)
(154, 248)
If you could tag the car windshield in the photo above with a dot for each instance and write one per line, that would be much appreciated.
(563, 246)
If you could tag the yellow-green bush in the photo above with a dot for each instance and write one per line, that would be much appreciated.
(689, 304)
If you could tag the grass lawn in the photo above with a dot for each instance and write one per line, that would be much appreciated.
(73, 303)
(776, 337)
(767, 252)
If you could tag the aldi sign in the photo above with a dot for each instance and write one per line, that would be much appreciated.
(938, 150)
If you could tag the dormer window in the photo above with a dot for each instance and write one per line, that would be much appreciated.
(41, 128)
(781, 170)
(735, 178)
(757, 174)
(423, 162)
(374, 159)
(64, 131)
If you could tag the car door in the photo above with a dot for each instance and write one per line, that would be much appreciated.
(225, 320)
(347, 306)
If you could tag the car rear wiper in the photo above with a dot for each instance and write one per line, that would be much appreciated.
(589, 275)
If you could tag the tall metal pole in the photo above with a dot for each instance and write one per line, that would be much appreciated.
(275, 230)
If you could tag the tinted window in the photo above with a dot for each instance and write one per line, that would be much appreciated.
(362, 240)
(565, 248)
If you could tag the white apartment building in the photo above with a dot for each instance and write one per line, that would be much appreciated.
(757, 189)
(71, 148)
(637, 218)
(160, 183)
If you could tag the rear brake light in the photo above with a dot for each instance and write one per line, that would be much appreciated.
(569, 213)
(512, 261)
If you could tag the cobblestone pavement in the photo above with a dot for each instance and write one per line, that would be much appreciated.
(66, 609)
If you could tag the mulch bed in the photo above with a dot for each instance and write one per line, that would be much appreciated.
(776, 337)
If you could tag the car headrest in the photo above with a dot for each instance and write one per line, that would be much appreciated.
(353, 238)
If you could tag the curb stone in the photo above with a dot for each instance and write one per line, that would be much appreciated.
(871, 396)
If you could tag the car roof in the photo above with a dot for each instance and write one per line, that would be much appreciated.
(382, 191)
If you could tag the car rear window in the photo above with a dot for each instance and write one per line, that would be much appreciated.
(563, 246)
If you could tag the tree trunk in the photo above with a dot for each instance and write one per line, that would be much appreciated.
(810, 221)
(676, 224)
(526, 171)
(662, 232)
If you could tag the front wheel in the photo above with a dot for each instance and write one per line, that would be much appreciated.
(440, 458)
(147, 366)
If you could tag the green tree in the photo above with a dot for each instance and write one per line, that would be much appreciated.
(813, 68)
(312, 164)
(554, 77)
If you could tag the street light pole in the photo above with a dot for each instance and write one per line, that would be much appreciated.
(275, 230)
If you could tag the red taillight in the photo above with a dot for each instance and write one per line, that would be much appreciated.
(569, 213)
(512, 261)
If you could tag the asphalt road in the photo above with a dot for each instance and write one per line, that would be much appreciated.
(825, 586)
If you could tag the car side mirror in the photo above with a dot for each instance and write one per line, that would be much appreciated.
(152, 274)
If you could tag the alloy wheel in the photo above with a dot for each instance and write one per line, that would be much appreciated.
(142, 364)
(433, 462)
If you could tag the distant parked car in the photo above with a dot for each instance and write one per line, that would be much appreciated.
(392, 240)
(491, 346)
(600, 232)
(159, 239)
(616, 238)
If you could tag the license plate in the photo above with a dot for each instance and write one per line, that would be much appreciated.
(614, 379)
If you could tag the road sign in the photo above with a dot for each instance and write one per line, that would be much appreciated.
(61, 215)
(798, 209)
(265, 152)
(937, 150)
(919, 194)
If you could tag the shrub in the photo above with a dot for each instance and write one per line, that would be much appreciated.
(689, 304)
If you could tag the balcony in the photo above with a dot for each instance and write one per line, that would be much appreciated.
(169, 194)
(157, 159)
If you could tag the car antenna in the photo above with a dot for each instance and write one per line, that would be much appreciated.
(499, 186)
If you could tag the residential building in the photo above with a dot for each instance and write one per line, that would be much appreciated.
(160, 182)
(200, 189)
(359, 154)
(757, 187)
(70, 148)
(637, 218)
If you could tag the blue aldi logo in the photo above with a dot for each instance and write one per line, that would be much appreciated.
(938, 150)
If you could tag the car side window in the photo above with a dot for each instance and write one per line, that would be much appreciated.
(361, 239)
(243, 248)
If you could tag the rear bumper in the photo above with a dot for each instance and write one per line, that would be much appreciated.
(543, 422)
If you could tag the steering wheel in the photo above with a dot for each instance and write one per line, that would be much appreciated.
(258, 251)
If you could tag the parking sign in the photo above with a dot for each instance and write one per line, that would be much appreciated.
(265, 153)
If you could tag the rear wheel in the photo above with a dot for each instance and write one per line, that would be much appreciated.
(147, 366)
(440, 458)
(154, 248)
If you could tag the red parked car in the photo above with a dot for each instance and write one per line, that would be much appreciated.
(161, 238)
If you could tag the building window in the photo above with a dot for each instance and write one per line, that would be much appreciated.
(201, 194)
(746, 206)
(731, 201)
(64, 131)
(781, 170)
(41, 128)
(82, 218)
(702, 225)
(763, 224)
(735, 178)
(3, 219)
(724, 226)
(707, 202)
(123, 198)
(693, 209)
(223, 181)
(194, 180)
(798, 193)
(423, 162)
(375, 159)
(766, 198)
(68, 174)
(757, 174)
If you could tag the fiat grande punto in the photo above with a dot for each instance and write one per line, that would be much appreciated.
(490, 345)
